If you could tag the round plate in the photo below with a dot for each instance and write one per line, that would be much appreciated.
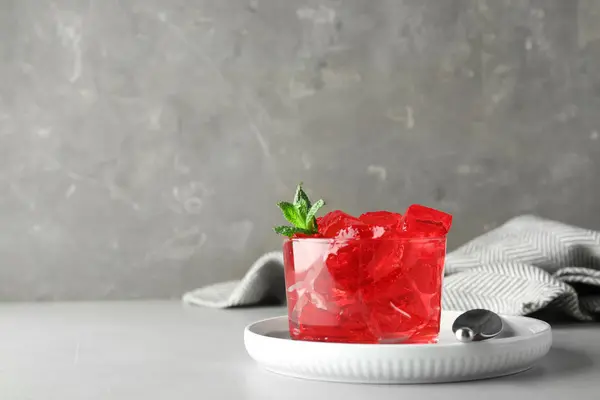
(522, 342)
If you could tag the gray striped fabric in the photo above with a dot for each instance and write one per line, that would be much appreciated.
(521, 267)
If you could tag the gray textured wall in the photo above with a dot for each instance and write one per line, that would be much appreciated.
(143, 143)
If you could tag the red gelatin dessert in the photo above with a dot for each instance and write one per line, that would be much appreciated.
(364, 290)
(372, 279)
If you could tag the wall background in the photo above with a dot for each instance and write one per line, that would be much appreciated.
(143, 143)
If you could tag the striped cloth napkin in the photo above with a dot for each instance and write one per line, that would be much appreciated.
(524, 266)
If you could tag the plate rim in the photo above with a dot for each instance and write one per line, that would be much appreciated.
(544, 330)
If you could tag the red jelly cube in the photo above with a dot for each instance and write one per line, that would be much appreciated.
(346, 260)
(421, 221)
(382, 223)
(338, 224)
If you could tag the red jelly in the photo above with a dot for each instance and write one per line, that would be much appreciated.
(423, 221)
(369, 280)
(341, 225)
(382, 223)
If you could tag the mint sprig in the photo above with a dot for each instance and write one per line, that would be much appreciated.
(301, 214)
(290, 230)
(293, 213)
(310, 215)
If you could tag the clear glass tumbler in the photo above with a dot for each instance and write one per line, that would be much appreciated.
(364, 290)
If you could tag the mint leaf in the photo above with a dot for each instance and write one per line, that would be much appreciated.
(301, 214)
(311, 222)
(292, 215)
(289, 231)
(302, 208)
(301, 197)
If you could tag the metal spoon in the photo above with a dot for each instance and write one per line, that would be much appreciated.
(476, 325)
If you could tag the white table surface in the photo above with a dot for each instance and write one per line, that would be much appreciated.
(163, 350)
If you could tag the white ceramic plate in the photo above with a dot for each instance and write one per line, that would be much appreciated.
(522, 342)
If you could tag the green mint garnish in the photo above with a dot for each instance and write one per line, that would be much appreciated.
(289, 230)
(293, 213)
(301, 214)
(310, 216)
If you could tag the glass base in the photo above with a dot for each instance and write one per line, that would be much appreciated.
(333, 334)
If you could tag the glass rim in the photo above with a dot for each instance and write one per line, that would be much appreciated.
(370, 240)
